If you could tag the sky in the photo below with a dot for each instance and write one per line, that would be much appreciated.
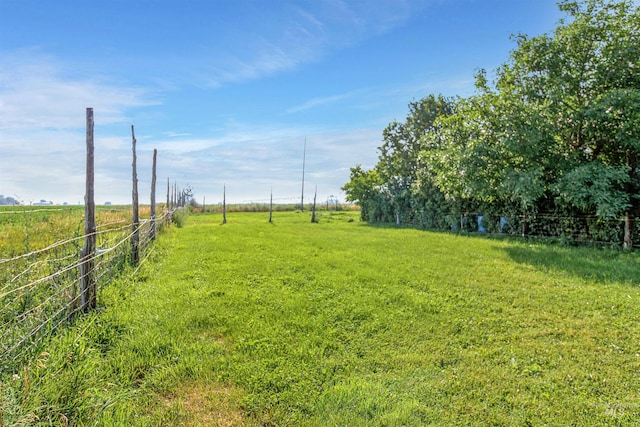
(229, 91)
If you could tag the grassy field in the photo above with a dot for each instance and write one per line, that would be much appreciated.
(344, 324)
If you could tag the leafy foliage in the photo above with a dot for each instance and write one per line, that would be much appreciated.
(557, 132)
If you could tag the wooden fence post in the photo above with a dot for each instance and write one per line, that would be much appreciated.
(168, 207)
(87, 279)
(304, 158)
(175, 194)
(224, 204)
(168, 216)
(152, 233)
(271, 207)
(313, 209)
(135, 238)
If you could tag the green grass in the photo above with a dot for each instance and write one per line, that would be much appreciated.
(340, 323)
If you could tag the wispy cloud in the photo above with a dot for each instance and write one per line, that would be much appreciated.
(251, 160)
(37, 94)
(42, 120)
(376, 97)
(316, 102)
(303, 35)
(175, 134)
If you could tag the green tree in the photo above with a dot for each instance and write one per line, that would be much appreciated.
(559, 126)
(398, 162)
(584, 81)
(364, 190)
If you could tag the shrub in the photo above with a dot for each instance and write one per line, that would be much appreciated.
(179, 217)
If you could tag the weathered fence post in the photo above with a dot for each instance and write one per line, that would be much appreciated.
(152, 233)
(203, 204)
(168, 216)
(87, 279)
(271, 207)
(168, 207)
(224, 204)
(304, 158)
(313, 209)
(135, 238)
(175, 194)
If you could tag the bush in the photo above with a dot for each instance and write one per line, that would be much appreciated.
(179, 217)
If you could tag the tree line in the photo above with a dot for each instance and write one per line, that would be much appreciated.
(549, 144)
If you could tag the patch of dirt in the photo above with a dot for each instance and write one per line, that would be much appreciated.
(207, 405)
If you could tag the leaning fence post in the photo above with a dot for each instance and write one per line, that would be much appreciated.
(87, 279)
(152, 233)
(135, 238)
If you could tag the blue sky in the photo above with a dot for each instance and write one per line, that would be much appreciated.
(227, 91)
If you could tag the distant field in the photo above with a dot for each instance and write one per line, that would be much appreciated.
(345, 324)
(28, 228)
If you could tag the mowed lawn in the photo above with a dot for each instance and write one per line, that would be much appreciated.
(345, 324)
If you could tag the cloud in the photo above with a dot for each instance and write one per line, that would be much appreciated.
(175, 134)
(42, 125)
(303, 35)
(37, 94)
(315, 102)
(251, 160)
(377, 97)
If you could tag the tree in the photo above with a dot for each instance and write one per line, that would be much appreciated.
(559, 127)
(557, 131)
(584, 81)
(363, 189)
(398, 162)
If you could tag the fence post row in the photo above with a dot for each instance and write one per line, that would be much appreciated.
(135, 238)
(87, 254)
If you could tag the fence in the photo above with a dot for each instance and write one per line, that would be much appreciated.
(41, 289)
(575, 229)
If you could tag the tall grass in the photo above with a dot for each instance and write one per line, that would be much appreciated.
(340, 323)
(27, 228)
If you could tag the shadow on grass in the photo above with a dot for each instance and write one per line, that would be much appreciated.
(598, 264)
(602, 265)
